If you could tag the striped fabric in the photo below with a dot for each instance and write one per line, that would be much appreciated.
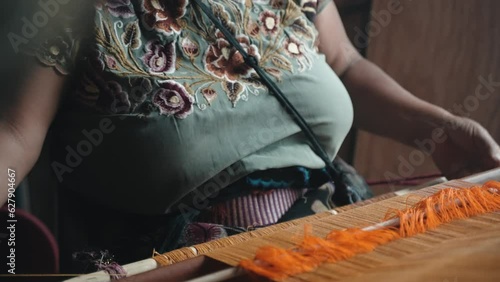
(256, 209)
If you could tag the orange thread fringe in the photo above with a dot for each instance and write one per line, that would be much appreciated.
(446, 205)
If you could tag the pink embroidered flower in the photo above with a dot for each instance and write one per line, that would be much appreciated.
(117, 8)
(111, 62)
(160, 58)
(164, 15)
(270, 22)
(197, 233)
(224, 61)
(293, 47)
(190, 48)
(173, 99)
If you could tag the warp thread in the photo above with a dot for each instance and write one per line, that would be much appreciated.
(446, 205)
(102, 261)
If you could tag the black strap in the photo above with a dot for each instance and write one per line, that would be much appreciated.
(335, 173)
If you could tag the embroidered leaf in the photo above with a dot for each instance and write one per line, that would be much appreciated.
(254, 79)
(210, 94)
(292, 12)
(187, 87)
(178, 64)
(224, 18)
(302, 29)
(233, 91)
(253, 29)
(282, 63)
(131, 36)
(111, 62)
(276, 4)
(274, 72)
(106, 31)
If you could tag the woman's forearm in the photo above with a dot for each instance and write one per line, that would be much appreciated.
(383, 107)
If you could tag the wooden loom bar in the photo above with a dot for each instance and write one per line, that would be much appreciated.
(234, 272)
(149, 264)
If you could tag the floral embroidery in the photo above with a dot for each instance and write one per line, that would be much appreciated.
(295, 49)
(197, 233)
(131, 36)
(118, 8)
(173, 99)
(111, 62)
(112, 98)
(270, 22)
(54, 52)
(164, 15)
(224, 61)
(95, 60)
(139, 94)
(168, 57)
(190, 48)
(160, 58)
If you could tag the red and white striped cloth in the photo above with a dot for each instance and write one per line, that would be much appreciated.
(256, 209)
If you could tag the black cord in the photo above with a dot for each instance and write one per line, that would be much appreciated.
(335, 173)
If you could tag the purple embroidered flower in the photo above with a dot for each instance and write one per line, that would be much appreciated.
(112, 98)
(160, 58)
(197, 233)
(117, 8)
(173, 99)
(111, 62)
(190, 47)
(95, 59)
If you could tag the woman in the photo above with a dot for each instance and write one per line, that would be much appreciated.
(164, 137)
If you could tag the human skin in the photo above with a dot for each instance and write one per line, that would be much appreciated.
(377, 98)
(383, 107)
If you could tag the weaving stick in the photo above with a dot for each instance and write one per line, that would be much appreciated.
(131, 269)
(150, 264)
(393, 222)
(234, 272)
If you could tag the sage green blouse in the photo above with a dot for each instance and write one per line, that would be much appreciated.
(163, 112)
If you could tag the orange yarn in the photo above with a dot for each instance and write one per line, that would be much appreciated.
(444, 206)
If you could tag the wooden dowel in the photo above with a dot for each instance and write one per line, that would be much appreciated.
(234, 272)
(221, 275)
(150, 264)
(131, 269)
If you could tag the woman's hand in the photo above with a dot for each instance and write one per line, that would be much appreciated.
(468, 149)
(383, 107)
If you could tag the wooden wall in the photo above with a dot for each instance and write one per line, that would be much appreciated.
(438, 50)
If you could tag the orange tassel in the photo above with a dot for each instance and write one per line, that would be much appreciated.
(444, 206)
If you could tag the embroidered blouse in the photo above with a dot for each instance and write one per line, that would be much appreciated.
(163, 111)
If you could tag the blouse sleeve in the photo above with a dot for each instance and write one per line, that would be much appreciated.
(53, 34)
(322, 5)
(312, 8)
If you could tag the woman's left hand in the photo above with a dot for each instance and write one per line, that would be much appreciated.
(468, 149)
